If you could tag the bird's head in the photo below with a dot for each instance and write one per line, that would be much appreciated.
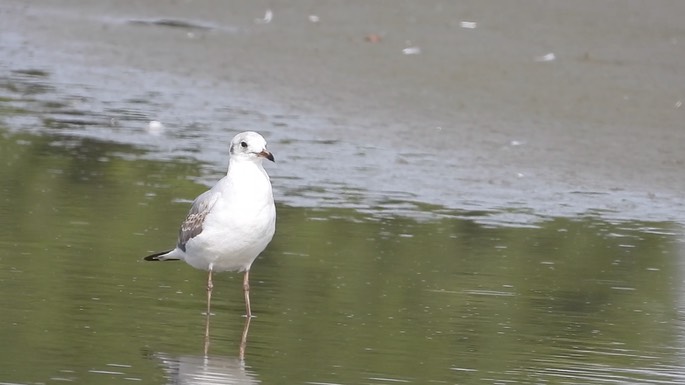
(250, 145)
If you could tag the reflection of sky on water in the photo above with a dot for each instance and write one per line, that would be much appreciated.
(310, 171)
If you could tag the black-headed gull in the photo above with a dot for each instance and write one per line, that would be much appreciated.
(232, 223)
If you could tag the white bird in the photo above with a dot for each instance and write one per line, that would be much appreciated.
(229, 225)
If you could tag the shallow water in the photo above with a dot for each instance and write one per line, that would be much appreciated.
(474, 122)
(432, 228)
(341, 296)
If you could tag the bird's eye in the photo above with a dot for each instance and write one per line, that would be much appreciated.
(243, 144)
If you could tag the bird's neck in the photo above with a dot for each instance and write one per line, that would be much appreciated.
(242, 168)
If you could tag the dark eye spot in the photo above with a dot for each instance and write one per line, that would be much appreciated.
(243, 144)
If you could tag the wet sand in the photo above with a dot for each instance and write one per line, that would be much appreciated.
(543, 109)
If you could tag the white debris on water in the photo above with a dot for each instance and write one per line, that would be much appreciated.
(411, 51)
(547, 57)
(268, 16)
(155, 127)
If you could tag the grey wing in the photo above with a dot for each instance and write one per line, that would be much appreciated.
(192, 226)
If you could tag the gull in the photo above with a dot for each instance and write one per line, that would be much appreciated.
(229, 225)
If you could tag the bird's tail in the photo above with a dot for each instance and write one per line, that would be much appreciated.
(161, 256)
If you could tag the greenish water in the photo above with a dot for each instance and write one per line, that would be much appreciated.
(341, 296)
(431, 229)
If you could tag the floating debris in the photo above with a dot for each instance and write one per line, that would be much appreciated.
(468, 24)
(155, 127)
(172, 23)
(373, 38)
(268, 16)
(411, 51)
(314, 18)
(548, 57)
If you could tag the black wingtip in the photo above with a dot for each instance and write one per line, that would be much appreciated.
(155, 256)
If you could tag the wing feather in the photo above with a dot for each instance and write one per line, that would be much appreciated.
(192, 226)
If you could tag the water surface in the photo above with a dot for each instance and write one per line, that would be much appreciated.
(470, 214)
(475, 122)
(340, 296)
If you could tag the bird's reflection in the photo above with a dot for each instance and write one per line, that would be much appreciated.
(243, 338)
(206, 369)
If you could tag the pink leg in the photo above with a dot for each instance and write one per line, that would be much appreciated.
(243, 339)
(210, 285)
(246, 291)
